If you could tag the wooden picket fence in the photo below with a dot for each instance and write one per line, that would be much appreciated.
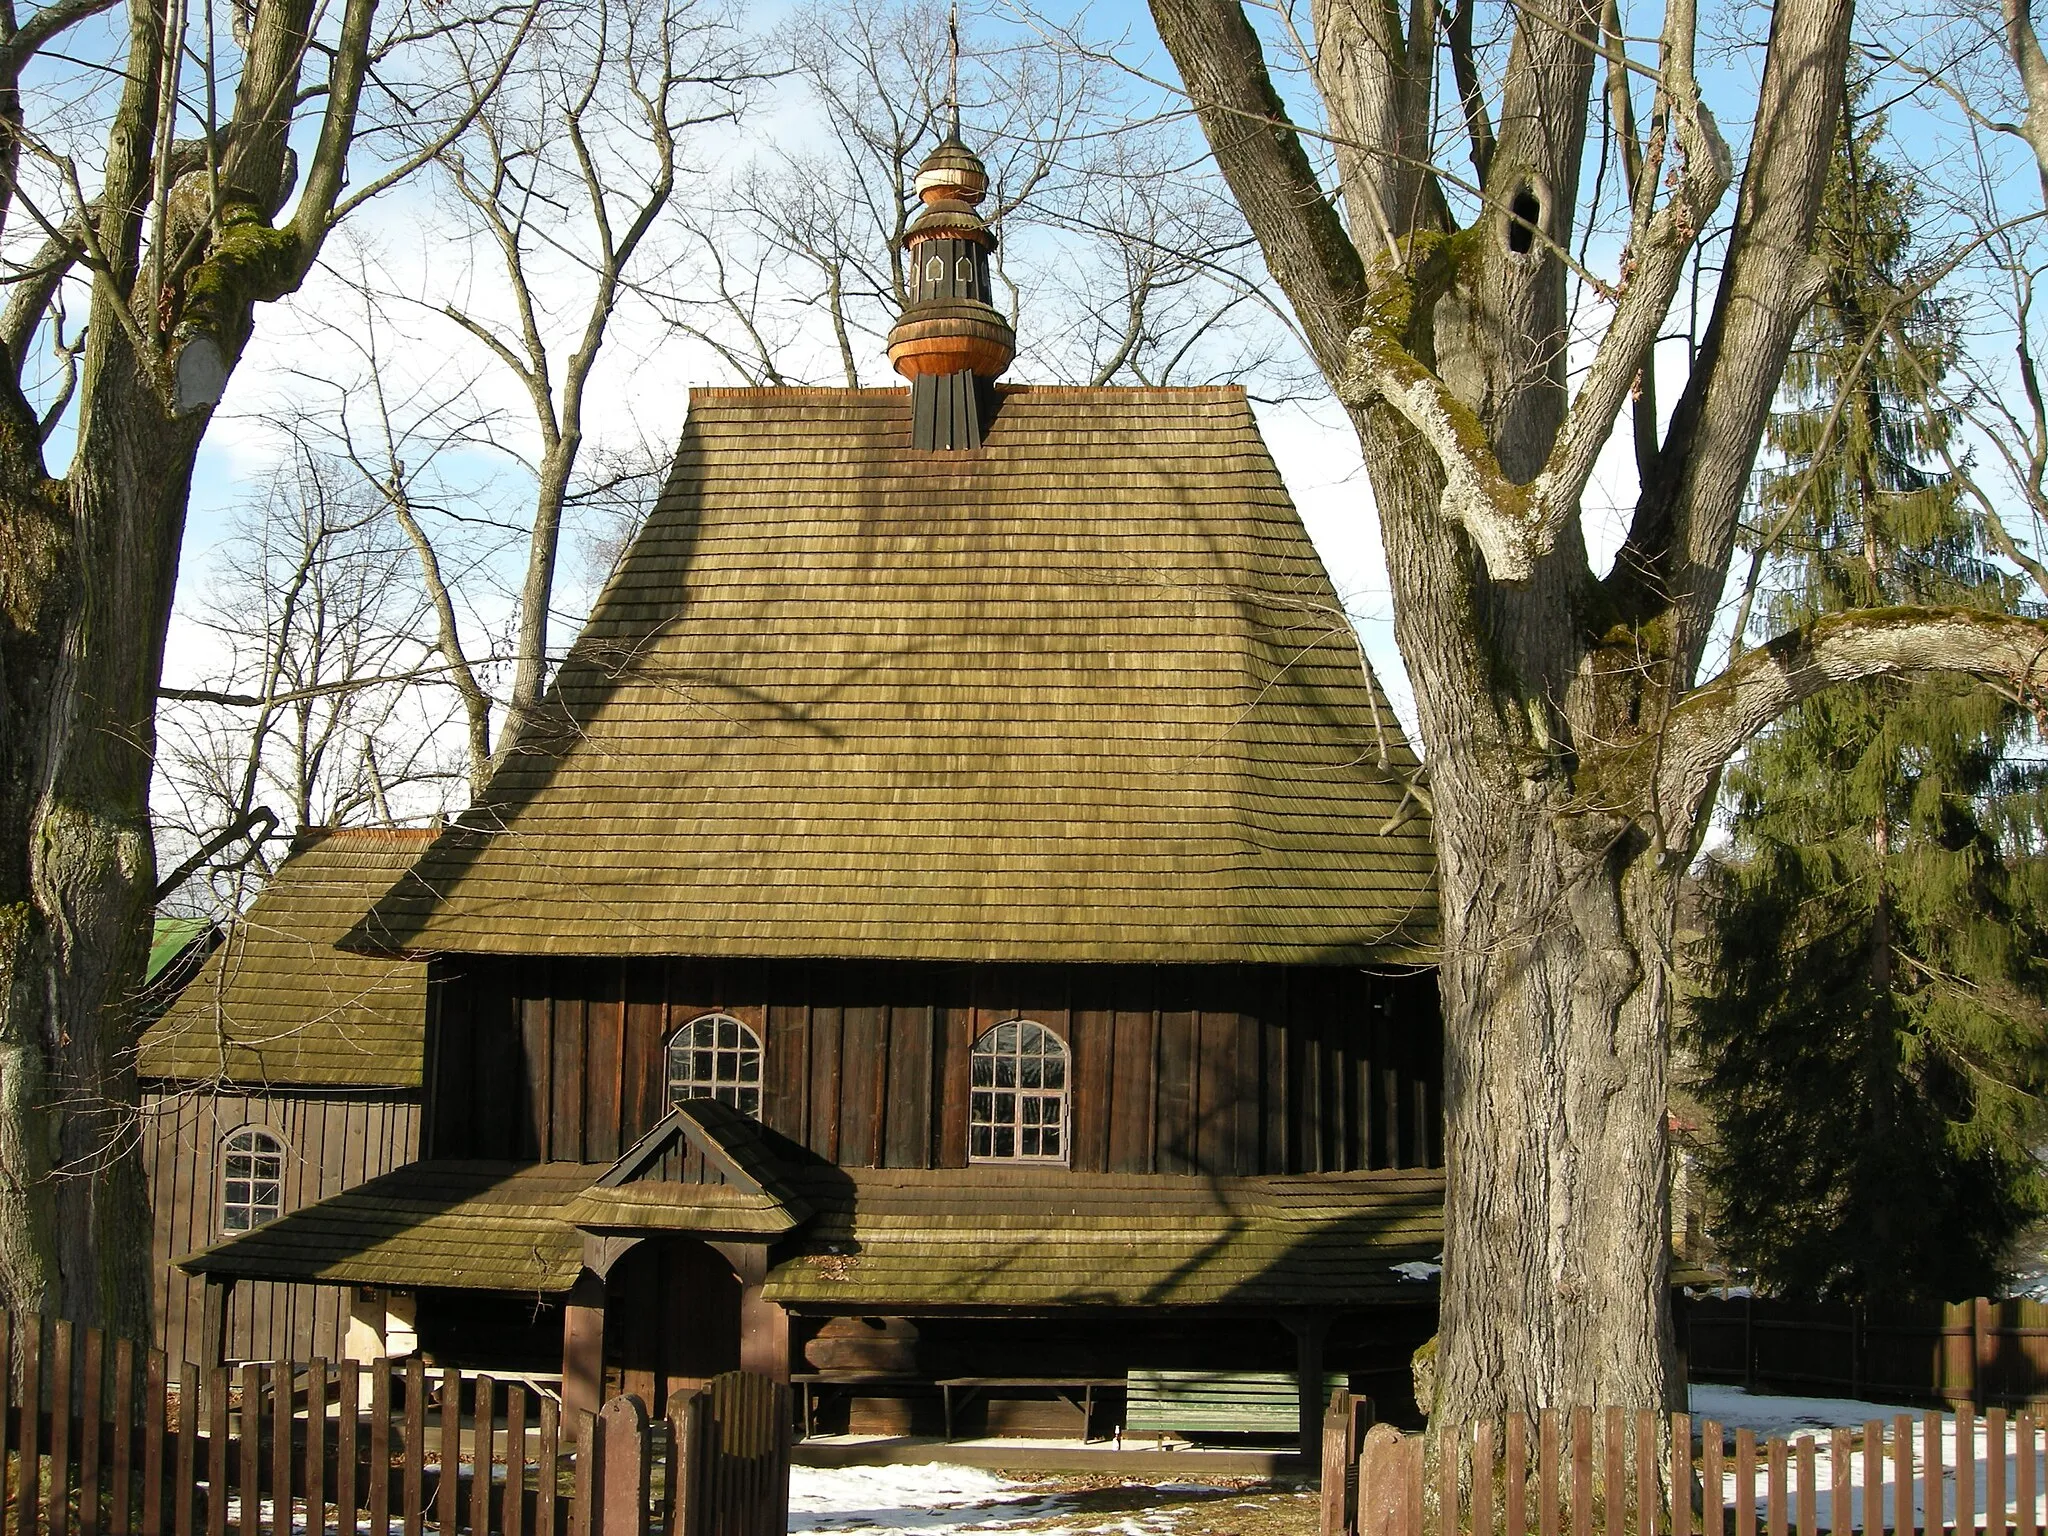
(98, 1438)
(1603, 1471)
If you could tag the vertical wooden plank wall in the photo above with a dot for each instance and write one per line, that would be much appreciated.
(333, 1142)
(1173, 1069)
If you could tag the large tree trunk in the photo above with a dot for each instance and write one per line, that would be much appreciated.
(1556, 1212)
(1570, 756)
(88, 568)
(82, 868)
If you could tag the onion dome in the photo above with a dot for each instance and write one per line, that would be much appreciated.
(952, 343)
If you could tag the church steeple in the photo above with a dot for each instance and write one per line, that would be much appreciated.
(952, 343)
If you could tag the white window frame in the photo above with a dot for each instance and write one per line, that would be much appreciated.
(1008, 1112)
(733, 1041)
(242, 1208)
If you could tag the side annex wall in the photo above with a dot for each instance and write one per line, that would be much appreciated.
(333, 1142)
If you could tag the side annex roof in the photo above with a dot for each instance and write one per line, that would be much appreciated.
(277, 1004)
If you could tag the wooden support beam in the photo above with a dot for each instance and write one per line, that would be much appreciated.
(213, 1326)
(764, 1325)
(1311, 1330)
(582, 1352)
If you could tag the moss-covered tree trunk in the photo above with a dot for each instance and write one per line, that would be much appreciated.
(81, 880)
(1573, 748)
(88, 569)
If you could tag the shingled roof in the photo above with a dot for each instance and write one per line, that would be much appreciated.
(1083, 694)
(467, 1225)
(278, 1004)
(1002, 1237)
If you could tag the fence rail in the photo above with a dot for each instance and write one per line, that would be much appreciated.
(1604, 1471)
(99, 1438)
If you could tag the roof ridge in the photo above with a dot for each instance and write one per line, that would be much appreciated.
(371, 836)
(1180, 392)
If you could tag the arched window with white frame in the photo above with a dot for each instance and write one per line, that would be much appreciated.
(251, 1179)
(716, 1057)
(1017, 1110)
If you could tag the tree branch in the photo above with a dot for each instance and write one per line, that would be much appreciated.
(1713, 722)
(249, 821)
(1682, 535)
(1261, 156)
(1516, 525)
(40, 28)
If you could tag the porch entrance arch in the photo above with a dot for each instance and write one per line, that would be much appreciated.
(672, 1319)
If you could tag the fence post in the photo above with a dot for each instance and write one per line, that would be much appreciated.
(687, 1417)
(622, 1494)
(1981, 1357)
(589, 1466)
(1388, 1484)
(1856, 1347)
(1336, 1462)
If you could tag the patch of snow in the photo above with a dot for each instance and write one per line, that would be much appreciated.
(939, 1500)
(1772, 1415)
(935, 1499)
(1417, 1269)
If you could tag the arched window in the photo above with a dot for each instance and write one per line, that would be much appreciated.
(252, 1179)
(935, 270)
(716, 1057)
(963, 273)
(1018, 1109)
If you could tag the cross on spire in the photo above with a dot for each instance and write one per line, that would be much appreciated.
(953, 65)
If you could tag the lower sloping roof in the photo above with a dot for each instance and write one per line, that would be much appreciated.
(466, 1225)
(892, 1240)
(998, 1237)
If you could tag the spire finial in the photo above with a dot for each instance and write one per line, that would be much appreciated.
(953, 64)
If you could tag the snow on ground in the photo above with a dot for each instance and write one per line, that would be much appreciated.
(936, 1500)
(1769, 1415)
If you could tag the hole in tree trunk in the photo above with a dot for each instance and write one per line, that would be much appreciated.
(1525, 214)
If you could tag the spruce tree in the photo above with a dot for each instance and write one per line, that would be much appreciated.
(1870, 1033)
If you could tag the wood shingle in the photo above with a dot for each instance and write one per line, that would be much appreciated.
(1086, 693)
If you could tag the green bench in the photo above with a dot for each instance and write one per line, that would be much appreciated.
(1214, 1403)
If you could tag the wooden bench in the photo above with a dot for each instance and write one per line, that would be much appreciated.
(1063, 1387)
(1214, 1403)
(811, 1386)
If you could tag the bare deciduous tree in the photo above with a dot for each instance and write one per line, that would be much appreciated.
(166, 203)
(314, 709)
(1120, 256)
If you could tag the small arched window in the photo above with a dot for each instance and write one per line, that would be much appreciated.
(963, 271)
(716, 1057)
(1017, 1111)
(252, 1179)
(935, 270)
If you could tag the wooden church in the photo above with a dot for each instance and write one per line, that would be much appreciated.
(961, 918)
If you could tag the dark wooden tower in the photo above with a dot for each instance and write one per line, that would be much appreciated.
(952, 342)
